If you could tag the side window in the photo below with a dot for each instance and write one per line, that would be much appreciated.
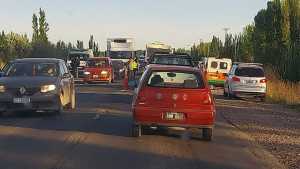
(223, 65)
(214, 64)
(232, 70)
(66, 70)
(61, 69)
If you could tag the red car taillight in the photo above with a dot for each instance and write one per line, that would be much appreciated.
(236, 79)
(207, 100)
(263, 81)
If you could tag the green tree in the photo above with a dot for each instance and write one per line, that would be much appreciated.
(215, 47)
(35, 27)
(43, 26)
(91, 42)
(79, 44)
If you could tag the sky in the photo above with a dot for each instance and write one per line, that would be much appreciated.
(179, 23)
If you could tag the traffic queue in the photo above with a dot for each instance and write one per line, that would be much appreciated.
(170, 92)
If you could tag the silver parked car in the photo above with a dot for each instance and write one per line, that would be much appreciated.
(246, 80)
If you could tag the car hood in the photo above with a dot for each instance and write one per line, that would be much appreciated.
(28, 82)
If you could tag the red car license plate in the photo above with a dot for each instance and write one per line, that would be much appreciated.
(174, 116)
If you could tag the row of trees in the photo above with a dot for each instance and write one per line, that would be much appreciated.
(273, 39)
(14, 45)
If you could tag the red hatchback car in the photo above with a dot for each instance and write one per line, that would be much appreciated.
(99, 70)
(173, 96)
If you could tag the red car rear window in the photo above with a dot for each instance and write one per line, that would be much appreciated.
(97, 63)
(171, 79)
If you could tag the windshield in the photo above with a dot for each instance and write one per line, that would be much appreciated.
(32, 69)
(165, 60)
(98, 63)
(82, 57)
(250, 72)
(175, 80)
(120, 54)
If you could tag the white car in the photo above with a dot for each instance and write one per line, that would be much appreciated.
(246, 80)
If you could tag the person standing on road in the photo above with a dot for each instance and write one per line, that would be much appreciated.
(135, 67)
(130, 67)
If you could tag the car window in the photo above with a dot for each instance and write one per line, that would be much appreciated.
(172, 61)
(249, 72)
(223, 65)
(214, 65)
(33, 69)
(45, 69)
(232, 70)
(64, 66)
(98, 63)
(61, 70)
(175, 80)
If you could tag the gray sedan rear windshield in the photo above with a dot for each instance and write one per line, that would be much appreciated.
(250, 72)
(33, 69)
(175, 80)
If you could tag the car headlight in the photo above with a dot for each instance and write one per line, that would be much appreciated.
(48, 88)
(104, 73)
(2, 89)
(87, 73)
(121, 70)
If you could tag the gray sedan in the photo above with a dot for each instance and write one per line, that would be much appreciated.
(36, 85)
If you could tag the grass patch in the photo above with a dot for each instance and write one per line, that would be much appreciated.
(283, 92)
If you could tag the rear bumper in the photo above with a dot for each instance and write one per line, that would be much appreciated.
(248, 94)
(173, 125)
(193, 118)
(100, 79)
(40, 102)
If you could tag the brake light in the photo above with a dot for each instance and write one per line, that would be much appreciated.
(236, 79)
(141, 100)
(207, 100)
(263, 81)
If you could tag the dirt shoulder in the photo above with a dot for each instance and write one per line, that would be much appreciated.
(275, 127)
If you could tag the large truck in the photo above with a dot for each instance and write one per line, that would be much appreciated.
(120, 49)
(156, 47)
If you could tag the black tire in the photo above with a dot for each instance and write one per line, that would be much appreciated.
(225, 94)
(136, 131)
(207, 134)
(263, 98)
(229, 95)
(1, 113)
(60, 106)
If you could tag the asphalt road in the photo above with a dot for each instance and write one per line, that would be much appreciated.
(97, 135)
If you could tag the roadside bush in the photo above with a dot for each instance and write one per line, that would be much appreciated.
(280, 91)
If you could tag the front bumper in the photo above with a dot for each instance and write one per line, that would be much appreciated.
(38, 102)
